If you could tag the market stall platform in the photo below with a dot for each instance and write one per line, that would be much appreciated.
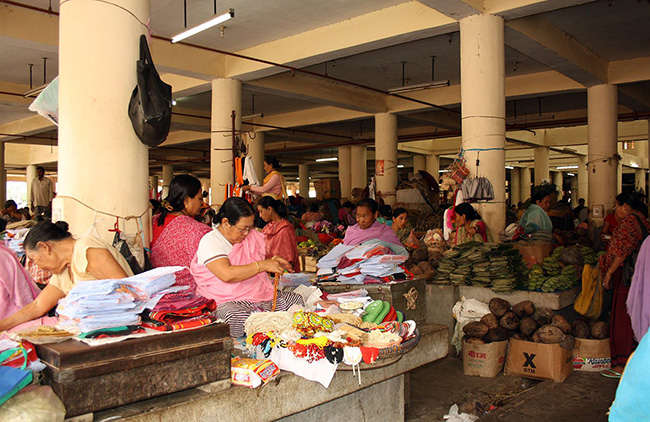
(291, 398)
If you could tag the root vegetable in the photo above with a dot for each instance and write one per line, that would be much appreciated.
(499, 306)
(475, 329)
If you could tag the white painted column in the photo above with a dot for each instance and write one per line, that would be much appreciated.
(433, 166)
(482, 92)
(639, 179)
(583, 180)
(226, 98)
(525, 184)
(386, 150)
(153, 184)
(30, 175)
(574, 191)
(303, 180)
(358, 166)
(256, 151)
(3, 176)
(619, 178)
(515, 186)
(167, 176)
(558, 178)
(102, 163)
(419, 163)
(602, 118)
(345, 176)
(542, 172)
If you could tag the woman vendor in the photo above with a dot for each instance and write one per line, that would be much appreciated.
(231, 267)
(280, 234)
(469, 226)
(627, 237)
(53, 248)
(368, 228)
(535, 221)
(176, 233)
(274, 183)
(311, 216)
(401, 225)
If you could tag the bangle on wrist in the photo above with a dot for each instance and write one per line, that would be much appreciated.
(257, 264)
(274, 256)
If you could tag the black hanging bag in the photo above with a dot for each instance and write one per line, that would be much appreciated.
(150, 108)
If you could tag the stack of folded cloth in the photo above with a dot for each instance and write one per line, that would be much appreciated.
(188, 311)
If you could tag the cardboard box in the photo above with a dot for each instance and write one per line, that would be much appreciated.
(591, 355)
(484, 360)
(538, 360)
(329, 188)
(534, 254)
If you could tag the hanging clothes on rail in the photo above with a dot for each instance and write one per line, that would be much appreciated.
(477, 189)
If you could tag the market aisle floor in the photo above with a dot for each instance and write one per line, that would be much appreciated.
(436, 387)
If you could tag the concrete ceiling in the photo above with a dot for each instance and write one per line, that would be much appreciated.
(554, 50)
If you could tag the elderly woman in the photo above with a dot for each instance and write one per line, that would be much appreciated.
(535, 221)
(176, 233)
(274, 183)
(71, 260)
(231, 267)
(280, 234)
(633, 227)
(469, 226)
(368, 228)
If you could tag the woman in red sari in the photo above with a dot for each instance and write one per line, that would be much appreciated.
(627, 237)
(176, 234)
(280, 234)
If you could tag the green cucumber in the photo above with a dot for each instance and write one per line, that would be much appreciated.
(384, 311)
(372, 311)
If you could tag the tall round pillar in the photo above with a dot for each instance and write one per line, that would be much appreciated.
(226, 100)
(359, 167)
(515, 186)
(153, 186)
(619, 178)
(583, 179)
(102, 163)
(167, 176)
(419, 163)
(386, 151)
(574, 191)
(542, 173)
(256, 153)
(525, 184)
(303, 180)
(602, 119)
(3, 175)
(483, 104)
(433, 165)
(345, 176)
(30, 175)
(558, 180)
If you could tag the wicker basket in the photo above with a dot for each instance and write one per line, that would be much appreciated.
(402, 348)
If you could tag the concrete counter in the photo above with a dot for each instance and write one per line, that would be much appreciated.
(380, 396)
(553, 301)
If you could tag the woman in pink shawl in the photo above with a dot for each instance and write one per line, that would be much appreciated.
(17, 289)
(176, 234)
(230, 266)
(280, 234)
(368, 228)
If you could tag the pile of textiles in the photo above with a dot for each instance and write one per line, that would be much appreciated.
(368, 263)
(188, 311)
(497, 266)
(104, 307)
(14, 241)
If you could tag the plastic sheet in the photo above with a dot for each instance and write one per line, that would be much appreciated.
(35, 403)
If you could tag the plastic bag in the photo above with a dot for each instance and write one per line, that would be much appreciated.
(465, 311)
(454, 416)
(412, 241)
(35, 403)
(590, 300)
(47, 102)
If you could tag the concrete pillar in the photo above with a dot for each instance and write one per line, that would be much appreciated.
(574, 191)
(515, 186)
(542, 173)
(256, 151)
(226, 98)
(303, 180)
(639, 179)
(102, 163)
(153, 186)
(386, 150)
(30, 175)
(602, 118)
(619, 178)
(345, 176)
(433, 166)
(3, 176)
(167, 176)
(583, 180)
(419, 163)
(558, 179)
(359, 170)
(482, 92)
(525, 184)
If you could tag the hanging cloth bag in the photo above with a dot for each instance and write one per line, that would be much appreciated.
(590, 300)
(150, 108)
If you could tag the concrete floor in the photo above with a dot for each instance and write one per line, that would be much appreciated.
(584, 396)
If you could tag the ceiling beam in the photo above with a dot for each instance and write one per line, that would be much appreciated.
(513, 9)
(24, 127)
(455, 9)
(632, 70)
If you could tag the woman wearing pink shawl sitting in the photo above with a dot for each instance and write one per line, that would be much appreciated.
(368, 228)
(176, 234)
(17, 289)
(231, 267)
(280, 234)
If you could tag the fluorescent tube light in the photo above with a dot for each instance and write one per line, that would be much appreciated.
(443, 171)
(320, 160)
(570, 174)
(418, 87)
(400, 166)
(566, 167)
(509, 168)
(635, 165)
(215, 20)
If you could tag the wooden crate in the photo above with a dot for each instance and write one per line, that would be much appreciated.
(88, 379)
(408, 296)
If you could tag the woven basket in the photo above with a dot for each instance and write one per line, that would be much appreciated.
(402, 348)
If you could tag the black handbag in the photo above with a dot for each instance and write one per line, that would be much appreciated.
(627, 270)
(150, 107)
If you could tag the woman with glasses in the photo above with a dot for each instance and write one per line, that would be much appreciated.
(230, 266)
(280, 234)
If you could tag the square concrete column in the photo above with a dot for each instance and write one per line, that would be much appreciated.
(419, 163)
(303, 180)
(602, 120)
(359, 170)
(542, 171)
(433, 166)
(515, 186)
(386, 152)
(226, 100)
(103, 166)
(345, 176)
(483, 103)
(525, 184)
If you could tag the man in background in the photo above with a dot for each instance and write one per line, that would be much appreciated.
(41, 194)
